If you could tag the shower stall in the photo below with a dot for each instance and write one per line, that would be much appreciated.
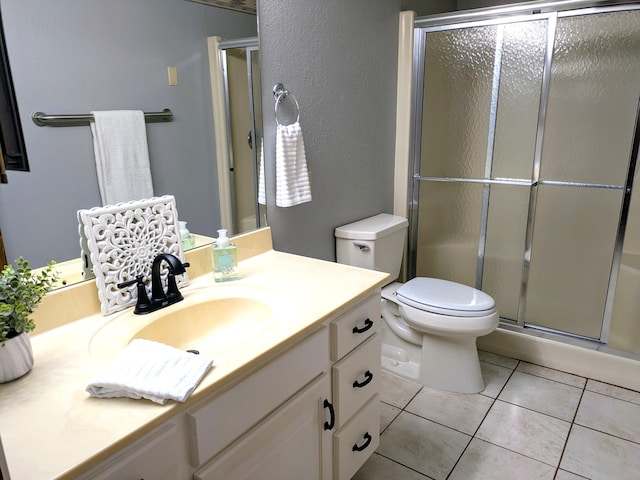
(525, 142)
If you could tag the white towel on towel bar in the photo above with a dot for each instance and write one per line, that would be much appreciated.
(151, 370)
(292, 177)
(122, 156)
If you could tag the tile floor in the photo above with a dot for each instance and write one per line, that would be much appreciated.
(530, 422)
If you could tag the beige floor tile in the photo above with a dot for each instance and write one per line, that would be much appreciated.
(483, 461)
(545, 396)
(494, 377)
(497, 359)
(564, 475)
(422, 445)
(524, 431)
(614, 391)
(551, 374)
(597, 455)
(397, 391)
(381, 468)
(387, 414)
(610, 415)
(463, 412)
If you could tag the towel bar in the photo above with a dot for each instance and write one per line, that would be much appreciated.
(46, 120)
(280, 93)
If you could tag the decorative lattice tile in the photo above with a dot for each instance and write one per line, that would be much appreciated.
(122, 241)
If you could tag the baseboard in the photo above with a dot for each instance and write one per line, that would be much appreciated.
(601, 366)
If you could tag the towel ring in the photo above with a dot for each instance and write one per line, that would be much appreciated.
(280, 93)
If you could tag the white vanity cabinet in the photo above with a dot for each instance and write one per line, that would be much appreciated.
(310, 411)
(355, 349)
(159, 455)
(325, 431)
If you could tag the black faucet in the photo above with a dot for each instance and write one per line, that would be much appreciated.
(159, 299)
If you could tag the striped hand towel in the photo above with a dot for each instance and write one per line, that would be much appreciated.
(151, 370)
(292, 177)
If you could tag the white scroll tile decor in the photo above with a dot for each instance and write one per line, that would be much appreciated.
(123, 240)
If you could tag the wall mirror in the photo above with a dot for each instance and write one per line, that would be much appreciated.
(116, 56)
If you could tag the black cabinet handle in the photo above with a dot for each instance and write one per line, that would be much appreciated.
(332, 415)
(369, 377)
(367, 441)
(367, 325)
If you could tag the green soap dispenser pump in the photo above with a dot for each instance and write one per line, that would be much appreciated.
(225, 261)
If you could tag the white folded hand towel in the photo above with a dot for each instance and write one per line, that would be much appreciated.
(151, 370)
(292, 177)
(122, 156)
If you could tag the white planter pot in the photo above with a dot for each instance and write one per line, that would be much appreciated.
(16, 358)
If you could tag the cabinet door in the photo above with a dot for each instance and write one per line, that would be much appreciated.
(155, 456)
(290, 444)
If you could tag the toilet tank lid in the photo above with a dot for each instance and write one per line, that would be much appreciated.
(372, 228)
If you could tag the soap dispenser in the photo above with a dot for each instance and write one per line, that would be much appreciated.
(225, 261)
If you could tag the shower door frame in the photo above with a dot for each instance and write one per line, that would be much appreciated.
(500, 16)
(251, 46)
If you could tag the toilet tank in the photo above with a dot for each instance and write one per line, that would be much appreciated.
(376, 243)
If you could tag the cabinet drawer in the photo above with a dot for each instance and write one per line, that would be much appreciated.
(356, 378)
(354, 443)
(354, 326)
(232, 413)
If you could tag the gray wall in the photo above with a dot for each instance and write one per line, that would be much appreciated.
(339, 59)
(74, 56)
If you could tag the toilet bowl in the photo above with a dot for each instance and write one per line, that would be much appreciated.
(430, 325)
(438, 337)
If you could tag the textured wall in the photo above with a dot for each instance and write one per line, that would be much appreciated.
(339, 59)
(74, 56)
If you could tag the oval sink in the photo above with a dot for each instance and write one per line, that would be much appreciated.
(210, 320)
(220, 322)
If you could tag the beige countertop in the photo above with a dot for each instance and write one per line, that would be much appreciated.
(51, 428)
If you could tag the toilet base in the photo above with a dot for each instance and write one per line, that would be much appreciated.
(462, 373)
(451, 364)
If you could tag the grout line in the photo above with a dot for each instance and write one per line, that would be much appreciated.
(573, 420)
(405, 466)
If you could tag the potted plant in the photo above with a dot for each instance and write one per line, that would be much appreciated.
(21, 291)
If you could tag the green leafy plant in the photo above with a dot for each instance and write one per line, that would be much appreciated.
(21, 291)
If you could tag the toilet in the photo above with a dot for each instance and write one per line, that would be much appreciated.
(430, 325)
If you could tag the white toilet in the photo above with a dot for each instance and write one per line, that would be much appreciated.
(430, 325)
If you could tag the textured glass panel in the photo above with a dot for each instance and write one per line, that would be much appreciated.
(448, 230)
(457, 98)
(519, 99)
(573, 240)
(593, 98)
(504, 248)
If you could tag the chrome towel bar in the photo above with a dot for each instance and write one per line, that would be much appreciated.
(46, 120)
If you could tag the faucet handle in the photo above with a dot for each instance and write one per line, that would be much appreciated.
(143, 303)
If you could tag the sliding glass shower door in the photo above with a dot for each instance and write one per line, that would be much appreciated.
(525, 130)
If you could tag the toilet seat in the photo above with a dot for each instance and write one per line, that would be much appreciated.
(444, 297)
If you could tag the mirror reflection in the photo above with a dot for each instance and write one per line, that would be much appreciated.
(82, 56)
(244, 209)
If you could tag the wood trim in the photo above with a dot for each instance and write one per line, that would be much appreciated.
(3, 175)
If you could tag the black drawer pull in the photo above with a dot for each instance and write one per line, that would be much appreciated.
(367, 325)
(369, 377)
(366, 443)
(332, 418)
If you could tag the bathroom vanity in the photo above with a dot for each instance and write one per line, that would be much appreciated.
(297, 398)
